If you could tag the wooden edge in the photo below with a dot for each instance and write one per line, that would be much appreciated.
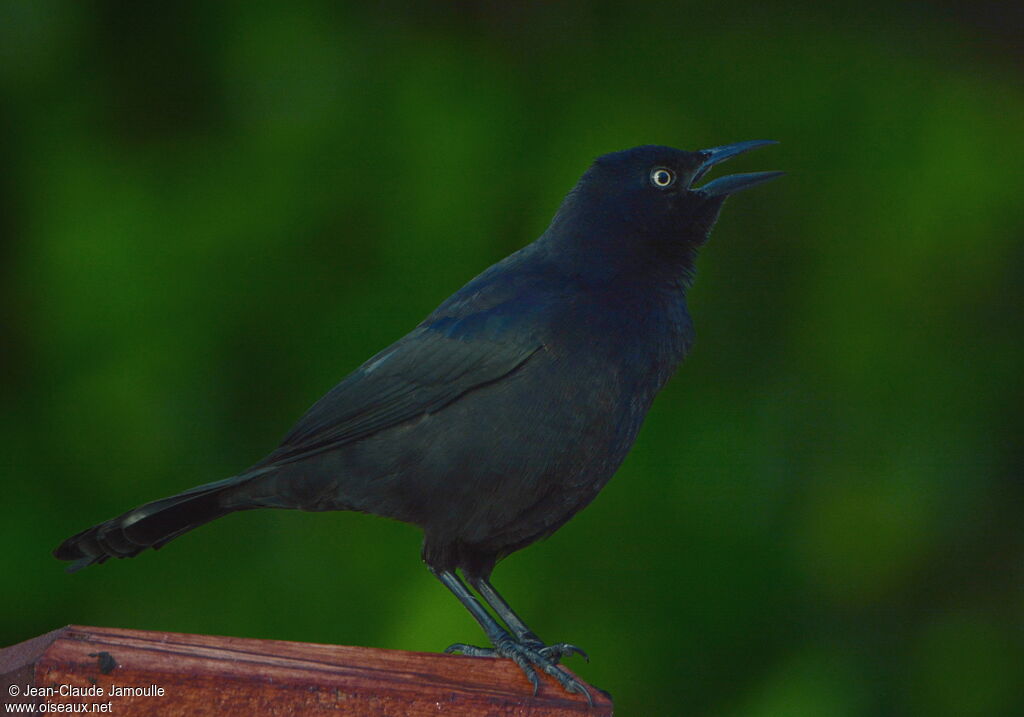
(206, 674)
(17, 656)
(17, 662)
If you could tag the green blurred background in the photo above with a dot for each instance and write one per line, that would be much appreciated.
(211, 212)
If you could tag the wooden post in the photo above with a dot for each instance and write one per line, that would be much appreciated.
(135, 672)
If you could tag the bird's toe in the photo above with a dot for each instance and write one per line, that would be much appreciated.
(560, 650)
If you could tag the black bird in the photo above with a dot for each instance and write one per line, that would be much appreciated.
(508, 408)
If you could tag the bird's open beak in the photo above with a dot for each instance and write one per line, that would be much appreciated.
(732, 183)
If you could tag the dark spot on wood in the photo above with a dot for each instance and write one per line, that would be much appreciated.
(106, 661)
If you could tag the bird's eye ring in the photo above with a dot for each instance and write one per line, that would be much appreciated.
(662, 178)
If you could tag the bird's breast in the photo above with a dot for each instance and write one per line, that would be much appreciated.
(630, 339)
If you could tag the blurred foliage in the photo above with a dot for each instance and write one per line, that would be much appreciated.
(211, 212)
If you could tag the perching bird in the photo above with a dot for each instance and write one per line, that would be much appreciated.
(508, 408)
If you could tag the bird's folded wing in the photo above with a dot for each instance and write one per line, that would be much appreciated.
(418, 375)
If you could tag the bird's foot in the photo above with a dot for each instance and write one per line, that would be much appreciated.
(530, 657)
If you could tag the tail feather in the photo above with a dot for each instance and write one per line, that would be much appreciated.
(149, 526)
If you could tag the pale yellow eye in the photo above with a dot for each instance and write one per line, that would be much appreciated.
(661, 177)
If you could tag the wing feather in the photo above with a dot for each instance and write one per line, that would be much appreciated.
(418, 375)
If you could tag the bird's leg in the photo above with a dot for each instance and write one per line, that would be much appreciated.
(527, 657)
(519, 628)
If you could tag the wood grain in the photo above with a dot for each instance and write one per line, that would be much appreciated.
(204, 674)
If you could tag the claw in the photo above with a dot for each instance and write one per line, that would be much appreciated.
(527, 668)
(556, 652)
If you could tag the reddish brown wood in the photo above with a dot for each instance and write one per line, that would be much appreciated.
(204, 674)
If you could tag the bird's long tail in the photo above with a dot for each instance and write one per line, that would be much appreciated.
(150, 525)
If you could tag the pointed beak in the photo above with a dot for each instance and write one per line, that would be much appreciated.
(724, 186)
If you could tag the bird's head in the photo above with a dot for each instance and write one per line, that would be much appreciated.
(643, 209)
